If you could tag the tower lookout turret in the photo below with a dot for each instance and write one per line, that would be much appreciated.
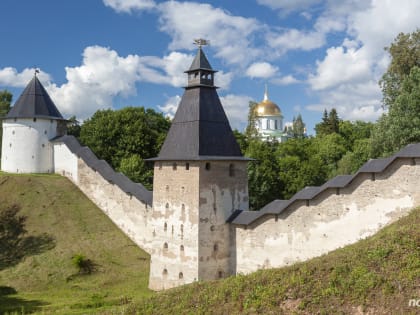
(27, 128)
(200, 179)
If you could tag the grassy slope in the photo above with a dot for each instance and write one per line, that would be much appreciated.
(48, 281)
(375, 276)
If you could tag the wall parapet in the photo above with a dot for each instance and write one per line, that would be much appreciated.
(105, 170)
(276, 207)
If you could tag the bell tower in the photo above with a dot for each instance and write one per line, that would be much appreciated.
(200, 179)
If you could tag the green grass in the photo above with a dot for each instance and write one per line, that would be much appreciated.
(377, 275)
(66, 223)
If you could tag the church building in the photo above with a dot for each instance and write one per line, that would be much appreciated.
(269, 120)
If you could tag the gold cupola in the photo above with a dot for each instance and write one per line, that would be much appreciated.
(267, 107)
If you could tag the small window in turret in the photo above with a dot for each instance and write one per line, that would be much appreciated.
(165, 226)
(165, 272)
(181, 275)
(165, 246)
(45, 132)
(174, 166)
(187, 166)
(215, 247)
(208, 166)
(34, 119)
(181, 248)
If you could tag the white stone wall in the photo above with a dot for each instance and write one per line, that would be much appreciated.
(174, 254)
(332, 220)
(26, 147)
(65, 162)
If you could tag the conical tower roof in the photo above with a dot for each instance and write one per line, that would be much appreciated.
(34, 102)
(200, 129)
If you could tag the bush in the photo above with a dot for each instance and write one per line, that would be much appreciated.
(85, 266)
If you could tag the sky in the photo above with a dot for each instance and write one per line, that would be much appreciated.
(99, 54)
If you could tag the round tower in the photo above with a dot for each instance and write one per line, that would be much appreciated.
(27, 130)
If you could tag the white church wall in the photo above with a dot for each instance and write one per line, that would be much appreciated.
(331, 220)
(26, 147)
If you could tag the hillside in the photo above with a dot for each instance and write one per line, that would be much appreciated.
(62, 222)
(378, 275)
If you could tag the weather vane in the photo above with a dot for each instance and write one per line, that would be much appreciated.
(36, 71)
(201, 42)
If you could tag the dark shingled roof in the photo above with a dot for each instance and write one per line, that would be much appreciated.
(106, 171)
(308, 193)
(200, 62)
(34, 102)
(200, 129)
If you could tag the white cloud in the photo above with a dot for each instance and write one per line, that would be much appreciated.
(293, 39)
(261, 70)
(230, 35)
(11, 77)
(93, 85)
(286, 80)
(170, 107)
(127, 6)
(288, 5)
(347, 76)
(236, 108)
(340, 66)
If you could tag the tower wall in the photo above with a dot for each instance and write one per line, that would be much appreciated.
(26, 147)
(174, 254)
(223, 189)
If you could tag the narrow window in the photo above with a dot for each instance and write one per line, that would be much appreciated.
(187, 166)
(215, 247)
(182, 228)
(165, 226)
(34, 119)
(220, 274)
(45, 132)
(181, 248)
(160, 166)
(167, 206)
(208, 166)
(231, 170)
(165, 246)
(165, 272)
(181, 275)
(174, 166)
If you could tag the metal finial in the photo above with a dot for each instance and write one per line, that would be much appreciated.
(266, 93)
(36, 71)
(201, 42)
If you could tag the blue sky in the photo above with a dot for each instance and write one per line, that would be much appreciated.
(312, 54)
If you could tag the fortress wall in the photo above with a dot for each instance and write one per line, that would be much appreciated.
(128, 212)
(65, 162)
(334, 218)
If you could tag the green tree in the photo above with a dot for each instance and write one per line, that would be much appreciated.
(251, 129)
(405, 54)
(73, 127)
(263, 180)
(124, 138)
(298, 127)
(401, 125)
(330, 123)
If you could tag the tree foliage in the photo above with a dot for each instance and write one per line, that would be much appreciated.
(125, 137)
(330, 123)
(251, 129)
(405, 54)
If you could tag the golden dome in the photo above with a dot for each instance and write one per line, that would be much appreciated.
(267, 107)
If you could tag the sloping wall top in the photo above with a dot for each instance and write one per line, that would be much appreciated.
(107, 172)
(308, 193)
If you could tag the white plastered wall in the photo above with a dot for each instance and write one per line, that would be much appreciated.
(26, 147)
(331, 220)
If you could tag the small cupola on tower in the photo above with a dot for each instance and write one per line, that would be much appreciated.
(200, 72)
(27, 130)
